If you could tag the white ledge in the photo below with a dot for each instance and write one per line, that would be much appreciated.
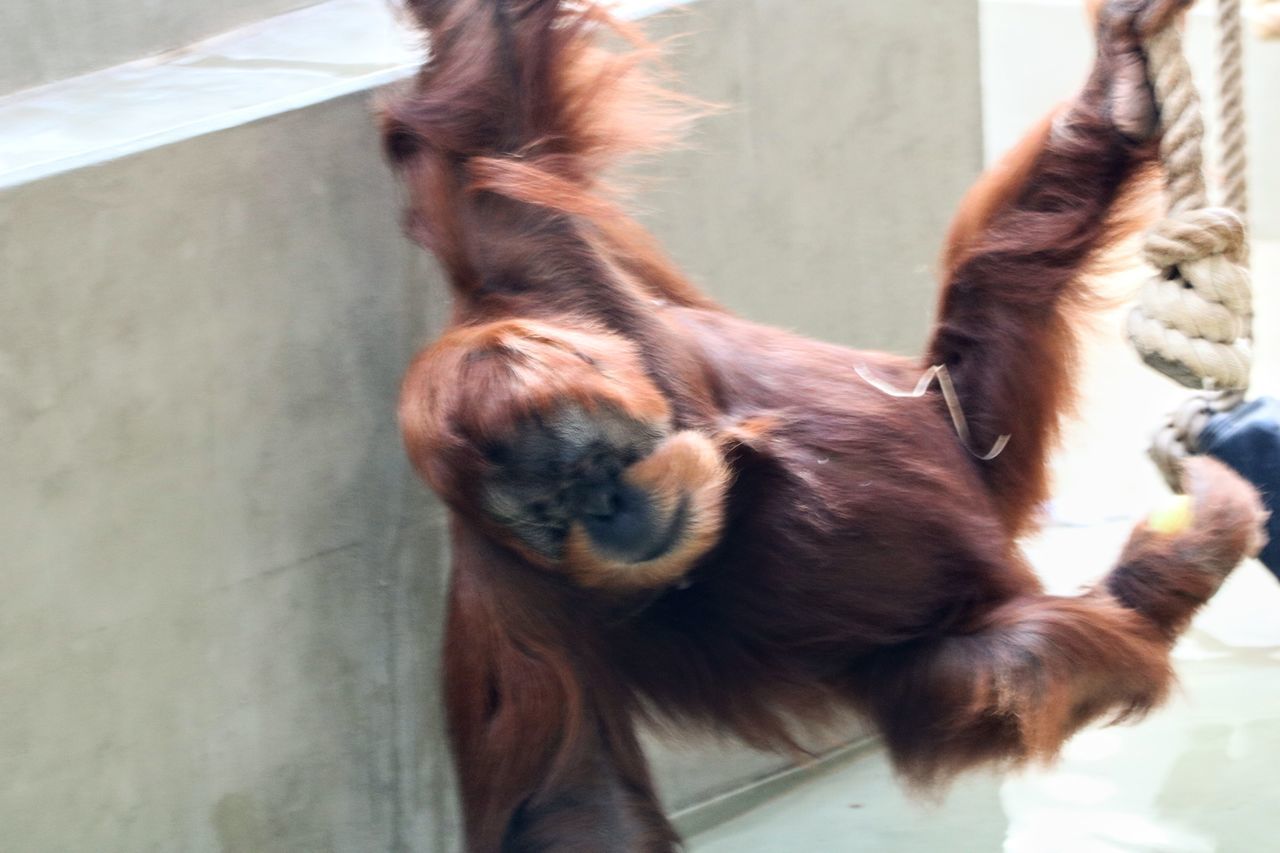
(275, 66)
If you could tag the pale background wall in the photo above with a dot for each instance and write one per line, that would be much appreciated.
(221, 589)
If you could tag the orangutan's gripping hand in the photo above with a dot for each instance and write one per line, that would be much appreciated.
(1122, 27)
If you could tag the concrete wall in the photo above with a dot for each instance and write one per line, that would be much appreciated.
(223, 585)
(817, 201)
(222, 593)
(45, 41)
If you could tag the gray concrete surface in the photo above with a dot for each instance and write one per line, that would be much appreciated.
(41, 42)
(211, 546)
(817, 201)
(1036, 53)
(222, 586)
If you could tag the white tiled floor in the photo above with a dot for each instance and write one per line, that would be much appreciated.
(1199, 775)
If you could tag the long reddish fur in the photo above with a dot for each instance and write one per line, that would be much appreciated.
(869, 561)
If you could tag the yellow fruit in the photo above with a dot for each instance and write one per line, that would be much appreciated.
(1172, 518)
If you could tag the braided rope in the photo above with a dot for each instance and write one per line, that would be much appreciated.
(1232, 131)
(1266, 18)
(1189, 323)
(1194, 320)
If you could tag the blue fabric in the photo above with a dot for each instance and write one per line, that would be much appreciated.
(1248, 439)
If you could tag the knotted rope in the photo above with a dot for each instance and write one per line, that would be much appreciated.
(1194, 319)
(1191, 320)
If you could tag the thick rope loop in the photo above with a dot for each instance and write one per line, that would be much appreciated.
(1191, 321)
(1170, 308)
(1193, 362)
(1194, 320)
(1179, 437)
(1176, 308)
(1195, 234)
